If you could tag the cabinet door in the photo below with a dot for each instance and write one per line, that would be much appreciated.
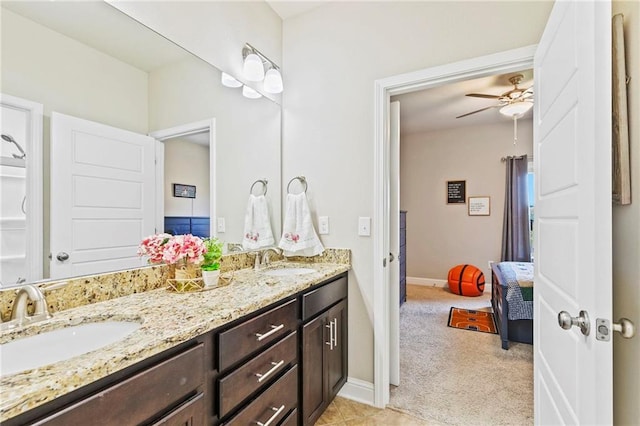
(314, 396)
(337, 352)
(191, 413)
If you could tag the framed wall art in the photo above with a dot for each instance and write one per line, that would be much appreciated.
(479, 206)
(456, 191)
(184, 191)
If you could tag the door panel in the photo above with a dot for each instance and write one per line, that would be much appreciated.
(103, 196)
(572, 143)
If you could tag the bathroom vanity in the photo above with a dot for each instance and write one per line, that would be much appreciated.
(264, 349)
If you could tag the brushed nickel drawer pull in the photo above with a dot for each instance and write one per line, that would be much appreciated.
(335, 332)
(272, 418)
(276, 365)
(330, 342)
(274, 329)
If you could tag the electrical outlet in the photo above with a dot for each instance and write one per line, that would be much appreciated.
(323, 225)
(220, 224)
(364, 226)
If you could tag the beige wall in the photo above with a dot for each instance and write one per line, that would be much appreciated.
(441, 235)
(186, 163)
(332, 56)
(626, 240)
(70, 77)
(247, 135)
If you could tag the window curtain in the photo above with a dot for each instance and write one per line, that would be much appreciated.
(516, 245)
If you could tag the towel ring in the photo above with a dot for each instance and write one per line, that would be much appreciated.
(264, 183)
(303, 181)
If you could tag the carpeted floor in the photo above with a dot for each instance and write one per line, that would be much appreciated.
(459, 377)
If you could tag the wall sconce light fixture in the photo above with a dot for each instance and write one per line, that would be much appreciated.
(229, 81)
(255, 64)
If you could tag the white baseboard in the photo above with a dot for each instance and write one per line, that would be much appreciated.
(430, 282)
(434, 282)
(358, 390)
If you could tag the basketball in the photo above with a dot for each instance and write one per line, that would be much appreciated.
(466, 280)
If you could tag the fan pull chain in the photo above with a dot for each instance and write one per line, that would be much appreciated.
(515, 129)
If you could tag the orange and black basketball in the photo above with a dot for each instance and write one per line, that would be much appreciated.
(466, 280)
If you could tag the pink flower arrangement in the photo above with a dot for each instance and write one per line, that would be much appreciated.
(172, 249)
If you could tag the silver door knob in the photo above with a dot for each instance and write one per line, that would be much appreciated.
(566, 321)
(625, 327)
(62, 256)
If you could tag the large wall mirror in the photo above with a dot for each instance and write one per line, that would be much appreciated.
(89, 60)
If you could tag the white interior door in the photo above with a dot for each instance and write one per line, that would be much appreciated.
(102, 196)
(394, 243)
(572, 160)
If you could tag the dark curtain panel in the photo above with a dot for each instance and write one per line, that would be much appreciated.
(516, 246)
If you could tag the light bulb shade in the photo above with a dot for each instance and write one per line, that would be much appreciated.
(229, 81)
(273, 81)
(248, 92)
(253, 70)
(516, 109)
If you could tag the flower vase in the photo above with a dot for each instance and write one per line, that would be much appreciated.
(210, 278)
(186, 271)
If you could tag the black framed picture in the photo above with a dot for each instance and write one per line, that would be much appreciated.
(184, 191)
(456, 191)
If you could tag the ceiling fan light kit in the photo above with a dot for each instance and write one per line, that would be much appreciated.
(514, 103)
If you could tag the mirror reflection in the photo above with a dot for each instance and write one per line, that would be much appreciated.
(92, 63)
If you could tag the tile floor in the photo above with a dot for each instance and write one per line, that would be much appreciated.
(344, 412)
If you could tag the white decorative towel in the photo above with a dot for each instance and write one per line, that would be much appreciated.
(299, 238)
(257, 225)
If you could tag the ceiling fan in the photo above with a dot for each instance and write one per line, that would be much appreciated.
(519, 100)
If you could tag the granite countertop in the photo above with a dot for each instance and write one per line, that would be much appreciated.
(167, 319)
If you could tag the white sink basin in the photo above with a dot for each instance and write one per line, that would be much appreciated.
(284, 272)
(58, 345)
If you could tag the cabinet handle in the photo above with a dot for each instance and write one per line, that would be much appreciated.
(335, 332)
(276, 365)
(274, 329)
(330, 342)
(272, 418)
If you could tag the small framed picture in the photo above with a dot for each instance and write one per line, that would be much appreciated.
(184, 191)
(479, 206)
(456, 191)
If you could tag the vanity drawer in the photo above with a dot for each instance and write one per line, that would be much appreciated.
(140, 397)
(321, 298)
(273, 405)
(244, 339)
(243, 381)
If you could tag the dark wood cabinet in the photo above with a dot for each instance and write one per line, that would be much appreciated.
(402, 257)
(324, 349)
(283, 363)
(160, 394)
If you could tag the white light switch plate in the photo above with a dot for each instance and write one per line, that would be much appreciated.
(364, 226)
(323, 225)
(220, 224)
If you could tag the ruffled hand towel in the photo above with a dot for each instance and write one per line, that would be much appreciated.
(299, 238)
(257, 225)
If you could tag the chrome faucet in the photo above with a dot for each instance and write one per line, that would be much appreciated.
(265, 254)
(19, 315)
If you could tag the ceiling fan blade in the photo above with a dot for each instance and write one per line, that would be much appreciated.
(479, 110)
(482, 95)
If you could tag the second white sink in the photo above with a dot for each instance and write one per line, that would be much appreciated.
(283, 272)
(58, 345)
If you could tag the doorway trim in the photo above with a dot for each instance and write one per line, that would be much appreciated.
(498, 63)
(208, 125)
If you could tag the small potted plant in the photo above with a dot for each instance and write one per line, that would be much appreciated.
(211, 263)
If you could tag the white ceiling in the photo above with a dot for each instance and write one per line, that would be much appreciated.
(437, 108)
(289, 9)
